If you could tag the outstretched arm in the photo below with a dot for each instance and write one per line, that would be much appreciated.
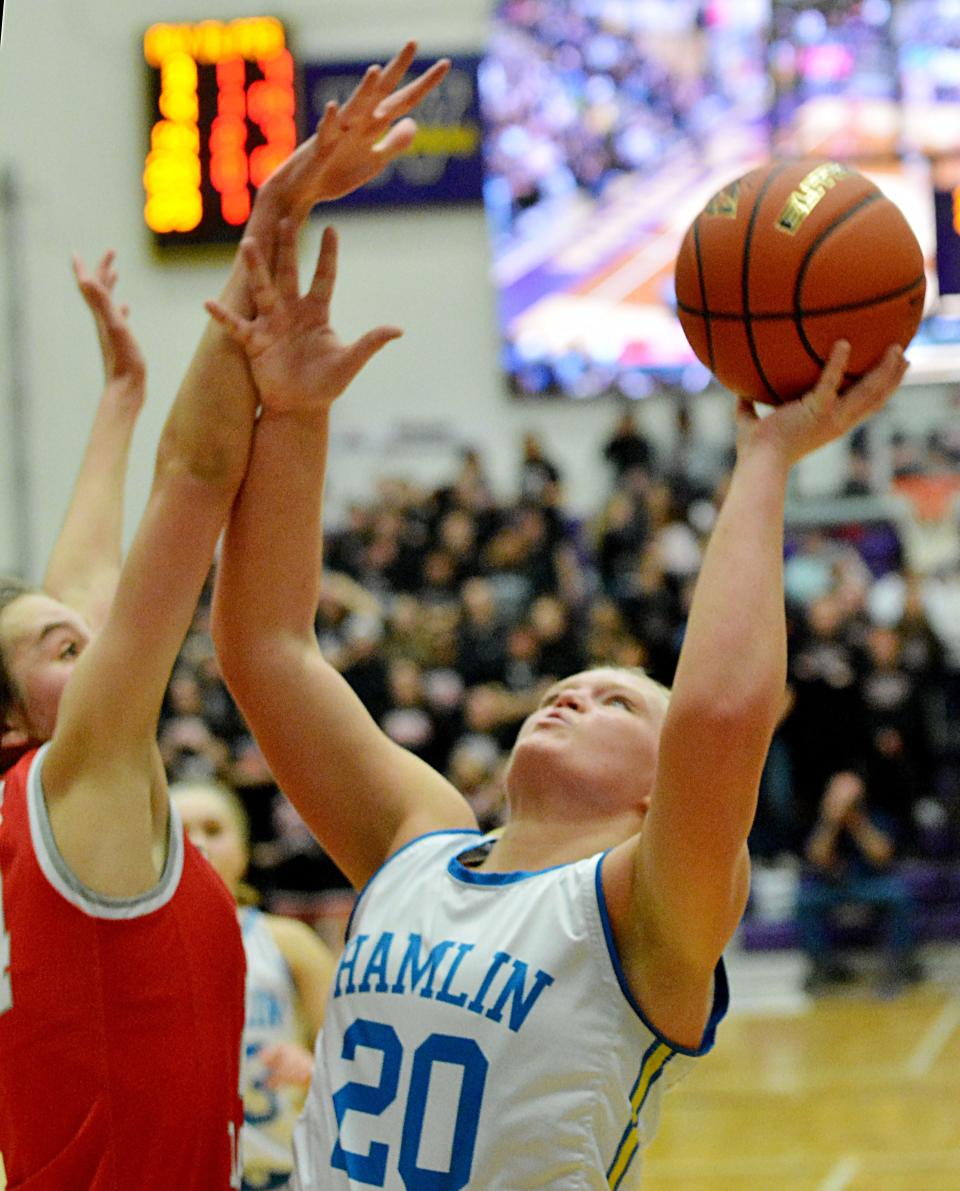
(690, 873)
(85, 561)
(360, 793)
(102, 775)
(351, 145)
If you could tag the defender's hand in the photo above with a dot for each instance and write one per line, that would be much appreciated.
(123, 361)
(298, 362)
(352, 144)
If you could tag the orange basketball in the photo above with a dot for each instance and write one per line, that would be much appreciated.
(785, 261)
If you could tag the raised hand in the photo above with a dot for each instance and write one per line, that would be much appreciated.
(844, 792)
(297, 360)
(353, 143)
(123, 362)
(825, 413)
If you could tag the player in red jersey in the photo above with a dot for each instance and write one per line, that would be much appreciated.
(121, 969)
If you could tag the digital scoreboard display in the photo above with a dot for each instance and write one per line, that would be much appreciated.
(223, 111)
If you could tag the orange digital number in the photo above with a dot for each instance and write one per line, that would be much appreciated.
(172, 176)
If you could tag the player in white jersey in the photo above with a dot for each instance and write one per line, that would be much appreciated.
(507, 1009)
(289, 972)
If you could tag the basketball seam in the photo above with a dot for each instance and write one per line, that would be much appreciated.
(708, 329)
(799, 312)
(815, 312)
(745, 278)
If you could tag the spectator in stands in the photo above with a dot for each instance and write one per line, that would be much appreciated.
(897, 759)
(561, 650)
(457, 534)
(505, 559)
(622, 533)
(475, 768)
(627, 450)
(771, 836)
(537, 472)
(825, 729)
(860, 479)
(849, 861)
(522, 668)
(906, 455)
(409, 720)
(694, 463)
(189, 747)
(481, 653)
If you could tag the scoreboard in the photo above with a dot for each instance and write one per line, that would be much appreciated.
(224, 117)
(224, 113)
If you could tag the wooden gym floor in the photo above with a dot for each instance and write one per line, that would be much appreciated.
(845, 1092)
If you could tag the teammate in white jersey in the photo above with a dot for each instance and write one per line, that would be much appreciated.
(506, 1010)
(289, 972)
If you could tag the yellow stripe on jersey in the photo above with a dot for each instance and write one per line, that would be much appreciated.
(652, 1064)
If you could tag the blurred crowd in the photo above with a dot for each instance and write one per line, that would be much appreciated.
(449, 611)
(575, 94)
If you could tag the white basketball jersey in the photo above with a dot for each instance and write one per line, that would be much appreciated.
(480, 1034)
(269, 1114)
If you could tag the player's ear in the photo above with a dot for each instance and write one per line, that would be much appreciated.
(12, 737)
(13, 729)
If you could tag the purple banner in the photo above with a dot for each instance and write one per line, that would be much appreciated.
(444, 164)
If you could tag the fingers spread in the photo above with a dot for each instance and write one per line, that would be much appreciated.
(326, 132)
(366, 347)
(286, 277)
(398, 66)
(397, 141)
(835, 368)
(407, 98)
(325, 274)
(105, 273)
(262, 290)
(366, 90)
(238, 328)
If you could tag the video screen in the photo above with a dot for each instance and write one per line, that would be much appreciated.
(927, 39)
(833, 67)
(610, 123)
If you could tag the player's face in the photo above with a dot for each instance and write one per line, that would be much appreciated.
(41, 641)
(212, 827)
(601, 728)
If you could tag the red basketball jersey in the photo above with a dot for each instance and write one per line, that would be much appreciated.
(120, 1019)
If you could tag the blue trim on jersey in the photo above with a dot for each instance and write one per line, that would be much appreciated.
(394, 855)
(471, 876)
(248, 919)
(721, 990)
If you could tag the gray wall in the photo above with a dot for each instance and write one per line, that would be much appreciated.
(73, 128)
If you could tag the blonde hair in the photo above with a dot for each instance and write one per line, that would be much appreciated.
(639, 672)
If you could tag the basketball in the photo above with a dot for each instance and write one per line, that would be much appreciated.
(785, 261)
